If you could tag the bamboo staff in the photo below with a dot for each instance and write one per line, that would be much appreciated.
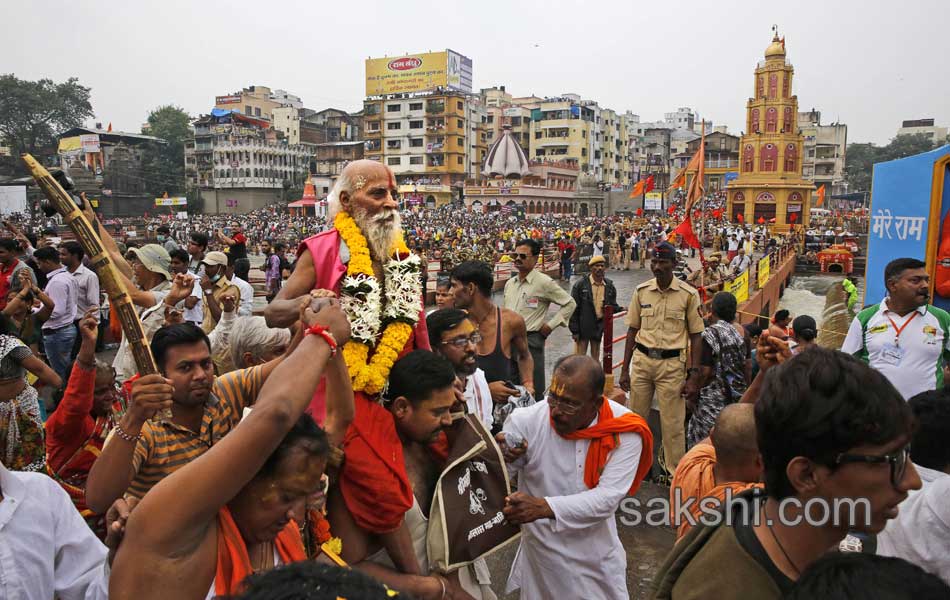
(104, 266)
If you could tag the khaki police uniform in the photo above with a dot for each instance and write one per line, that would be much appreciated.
(664, 320)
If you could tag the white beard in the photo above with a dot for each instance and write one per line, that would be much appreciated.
(380, 231)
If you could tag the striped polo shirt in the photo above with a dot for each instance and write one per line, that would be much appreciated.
(166, 447)
(913, 359)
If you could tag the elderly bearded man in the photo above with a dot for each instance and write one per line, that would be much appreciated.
(364, 250)
(579, 454)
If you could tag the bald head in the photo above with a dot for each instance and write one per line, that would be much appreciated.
(581, 369)
(733, 437)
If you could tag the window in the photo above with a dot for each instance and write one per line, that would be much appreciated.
(459, 158)
(393, 161)
(771, 120)
(461, 124)
(491, 119)
(537, 135)
(791, 158)
(415, 124)
(415, 106)
(393, 126)
(392, 108)
(415, 160)
(257, 112)
(461, 105)
(768, 156)
(415, 143)
(515, 121)
(247, 110)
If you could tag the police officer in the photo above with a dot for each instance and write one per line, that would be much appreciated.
(662, 319)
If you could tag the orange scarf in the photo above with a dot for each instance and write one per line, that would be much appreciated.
(234, 564)
(604, 438)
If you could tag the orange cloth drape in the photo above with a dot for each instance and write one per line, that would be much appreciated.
(604, 438)
(233, 562)
(373, 479)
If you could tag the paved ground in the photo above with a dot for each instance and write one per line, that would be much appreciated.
(646, 548)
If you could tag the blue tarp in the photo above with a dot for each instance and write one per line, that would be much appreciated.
(220, 112)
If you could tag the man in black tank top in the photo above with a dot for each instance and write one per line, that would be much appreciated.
(471, 286)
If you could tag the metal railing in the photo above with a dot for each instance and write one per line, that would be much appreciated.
(776, 261)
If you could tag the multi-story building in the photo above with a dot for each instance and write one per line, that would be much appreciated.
(721, 159)
(655, 156)
(433, 142)
(307, 126)
(683, 118)
(823, 159)
(257, 101)
(240, 163)
(938, 135)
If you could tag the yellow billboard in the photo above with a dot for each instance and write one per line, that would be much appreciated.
(417, 73)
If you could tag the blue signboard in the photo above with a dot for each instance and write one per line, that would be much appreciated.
(731, 175)
(901, 193)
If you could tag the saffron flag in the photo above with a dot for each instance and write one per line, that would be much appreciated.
(648, 186)
(821, 195)
(685, 230)
(691, 167)
(696, 190)
(637, 189)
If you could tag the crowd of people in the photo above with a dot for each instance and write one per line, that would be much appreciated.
(316, 434)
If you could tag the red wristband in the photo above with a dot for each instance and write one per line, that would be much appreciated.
(317, 329)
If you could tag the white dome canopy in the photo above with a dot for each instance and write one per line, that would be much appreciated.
(506, 158)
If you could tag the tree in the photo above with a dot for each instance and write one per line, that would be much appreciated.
(163, 164)
(862, 157)
(33, 112)
(858, 165)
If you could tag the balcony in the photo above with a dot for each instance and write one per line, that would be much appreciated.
(435, 108)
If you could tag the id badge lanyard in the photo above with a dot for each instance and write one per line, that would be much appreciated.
(900, 329)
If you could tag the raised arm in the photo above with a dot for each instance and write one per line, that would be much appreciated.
(176, 511)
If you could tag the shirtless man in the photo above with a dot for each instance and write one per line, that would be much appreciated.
(420, 397)
(472, 286)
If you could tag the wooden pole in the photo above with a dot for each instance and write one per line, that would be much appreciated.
(109, 276)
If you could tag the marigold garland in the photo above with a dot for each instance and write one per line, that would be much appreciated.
(361, 301)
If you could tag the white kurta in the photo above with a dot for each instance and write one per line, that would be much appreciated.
(46, 548)
(578, 554)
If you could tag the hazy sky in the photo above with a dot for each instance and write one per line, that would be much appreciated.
(869, 63)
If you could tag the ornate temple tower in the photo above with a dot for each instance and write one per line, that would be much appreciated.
(770, 183)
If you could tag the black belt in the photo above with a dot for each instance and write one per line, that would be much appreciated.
(657, 353)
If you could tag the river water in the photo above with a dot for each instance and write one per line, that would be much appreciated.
(806, 294)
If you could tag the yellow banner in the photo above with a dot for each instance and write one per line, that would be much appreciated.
(764, 272)
(403, 74)
(70, 144)
(740, 287)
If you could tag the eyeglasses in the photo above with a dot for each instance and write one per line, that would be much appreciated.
(561, 405)
(897, 461)
(461, 342)
(521, 256)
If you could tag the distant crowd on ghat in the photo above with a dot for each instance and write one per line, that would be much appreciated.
(315, 432)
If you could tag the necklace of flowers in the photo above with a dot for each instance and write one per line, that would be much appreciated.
(361, 301)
